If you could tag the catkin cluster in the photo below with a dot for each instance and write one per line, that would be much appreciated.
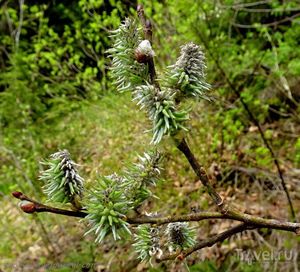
(131, 57)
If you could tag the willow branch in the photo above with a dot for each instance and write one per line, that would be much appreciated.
(206, 243)
(261, 222)
(33, 206)
(248, 219)
(176, 218)
(147, 26)
(223, 236)
(200, 171)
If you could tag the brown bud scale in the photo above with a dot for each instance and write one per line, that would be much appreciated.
(17, 194)
(141, 58)
(28, 207)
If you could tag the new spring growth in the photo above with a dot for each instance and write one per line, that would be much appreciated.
(180, 235)
(186, 78)
(106, 207)
(127, 72)
(27, 206)
(187, 75)
(147, 170)
(141, 176)
(115, 195)
(147, 242)
(162, 110)
(144, 52)
(62, 181)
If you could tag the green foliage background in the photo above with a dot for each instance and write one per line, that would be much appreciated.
(56, 93)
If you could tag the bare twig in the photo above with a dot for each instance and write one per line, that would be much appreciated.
(200, 171)
(211, 241)
(35, 206)
(147, 26)
(266, 10)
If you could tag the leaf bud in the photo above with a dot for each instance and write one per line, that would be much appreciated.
(144, 52)
(27, 206)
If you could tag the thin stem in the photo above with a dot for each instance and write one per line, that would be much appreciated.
(18, 30)
(35, 206)
(231, 214)
(176, 218)
(200, 171)
(147, 26)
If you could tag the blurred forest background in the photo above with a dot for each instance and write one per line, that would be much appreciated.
(56, 93)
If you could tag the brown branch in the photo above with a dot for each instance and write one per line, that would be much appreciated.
(251, 4)
(176, 218)
(33, 206)
(249, 222)
(206, 243)
(267, 10)
(262, 222)
(147, 26)
(223, 236)
(231, 214)
(200, 171)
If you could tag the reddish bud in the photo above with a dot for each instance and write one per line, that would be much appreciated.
(144, 52)
(27, 207)
(180, 257)
(141, 57)
(17, 194)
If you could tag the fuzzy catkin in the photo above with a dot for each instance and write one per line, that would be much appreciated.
(180, 235)
(62, 181)
(187, 75)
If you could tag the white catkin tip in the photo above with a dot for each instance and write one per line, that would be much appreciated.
(145, 48)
